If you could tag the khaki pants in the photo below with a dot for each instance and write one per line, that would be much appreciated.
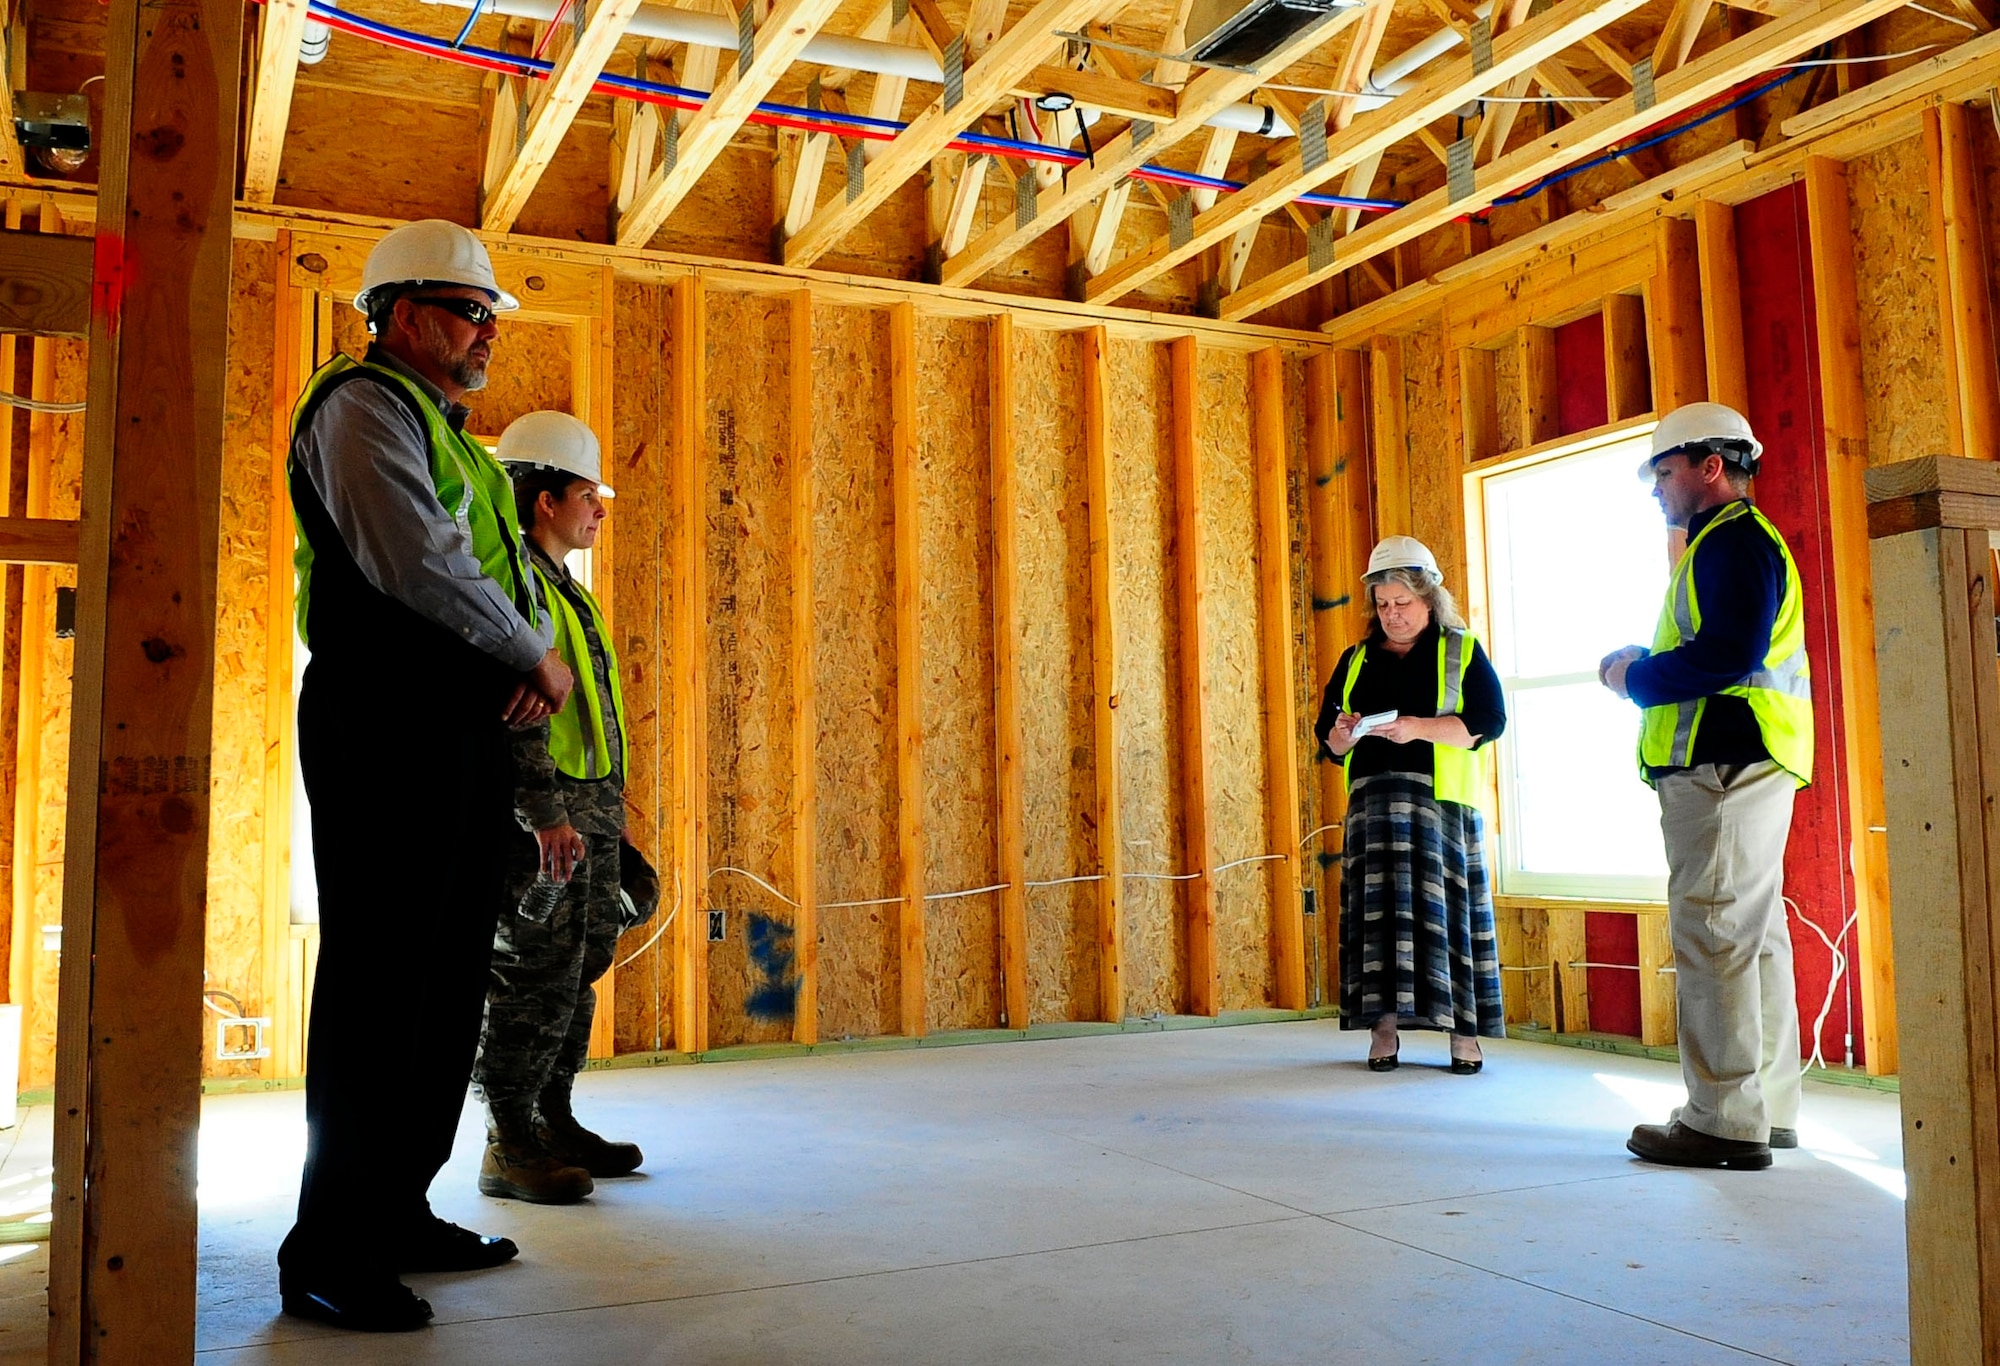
(1725, 829)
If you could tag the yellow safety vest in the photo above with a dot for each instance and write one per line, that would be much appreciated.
(469, 481)
(1779, 690)
(577, 733)
(1457, 775)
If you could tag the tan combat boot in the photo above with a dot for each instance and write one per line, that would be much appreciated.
(568, 1141)
(518, 1167)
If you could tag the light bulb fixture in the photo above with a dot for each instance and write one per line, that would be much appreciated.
(1055, 101)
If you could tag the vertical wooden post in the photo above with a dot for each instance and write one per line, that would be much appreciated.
(9, 359)
(1940, 697)
(1011, 837)
(287, 372)
(1628, 388)
(590, 400)
(1104, 676)
(1535, 354)
(909, 666)
(128, 1066)
(1658, 1018)
(1964, 298)
(1190, 570)
(1281, 726)
(1846, 441)
(1721, 304)
(1567, 945)
(1281, 709)
(1673, 298)
(688, 374)
(805, 675)
(1391, 447)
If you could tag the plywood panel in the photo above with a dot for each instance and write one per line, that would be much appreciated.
(956, 553)
(1436, 491)
(1057, 767)
(638, 465)
(854, 573)
(751, 972)
(1142, 517)
(1895, 269)
(1238, 819)
(244, 560)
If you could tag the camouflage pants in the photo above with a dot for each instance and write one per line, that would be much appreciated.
(539, 1007)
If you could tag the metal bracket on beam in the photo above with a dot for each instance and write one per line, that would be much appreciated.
(1319, 245)
(1180, 220)
(1027, 198)
(1142, 132)
(1481, 40)
(673, 140)
(954, 72)
(1312, 137)
(857, 172)
(746, 37)
(1643, 97)
(1459, 176)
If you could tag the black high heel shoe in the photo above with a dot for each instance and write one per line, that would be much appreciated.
(1387, 1063)
(1466, 1067)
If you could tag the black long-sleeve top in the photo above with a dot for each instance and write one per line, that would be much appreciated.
(1739, 582)
(1408, 685)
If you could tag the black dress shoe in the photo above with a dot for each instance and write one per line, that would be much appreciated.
(377, 1304)
(1388, 1062)
(1676, 1145)
(444, 1246)
(1466, 1067)
(1784, 1138)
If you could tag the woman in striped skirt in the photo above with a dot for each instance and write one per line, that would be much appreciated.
(1406, 714)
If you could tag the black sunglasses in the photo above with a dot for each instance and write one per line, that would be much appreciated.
(471, 310)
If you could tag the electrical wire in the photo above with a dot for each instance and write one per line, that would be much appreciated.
(40, 405)
(1839, 970)
(1862, 61)
(654, 940)
(1948, 18)
(1371, 93)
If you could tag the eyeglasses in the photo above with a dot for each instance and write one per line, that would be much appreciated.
(471, 310)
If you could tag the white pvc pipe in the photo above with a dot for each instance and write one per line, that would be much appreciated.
(672, 24)
(1389, 77)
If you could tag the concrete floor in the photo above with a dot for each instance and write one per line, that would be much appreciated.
(1247, 1194)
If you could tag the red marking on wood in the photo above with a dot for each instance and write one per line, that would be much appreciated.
(107, 283)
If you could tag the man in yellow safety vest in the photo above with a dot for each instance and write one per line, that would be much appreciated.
(426, 645)
(563, 913)
(1726, 739)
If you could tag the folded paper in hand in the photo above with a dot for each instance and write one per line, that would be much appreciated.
(1373, 722)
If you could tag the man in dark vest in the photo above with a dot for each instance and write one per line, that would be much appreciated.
(427, 646)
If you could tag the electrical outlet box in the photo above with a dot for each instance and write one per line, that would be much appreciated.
(716, 933)
(1312, 901)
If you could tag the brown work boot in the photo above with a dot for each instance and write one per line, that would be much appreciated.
(569, 1141)
(518, 1167)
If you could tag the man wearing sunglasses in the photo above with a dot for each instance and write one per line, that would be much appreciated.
(427, 645)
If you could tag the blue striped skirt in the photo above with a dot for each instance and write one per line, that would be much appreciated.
(1416, 912)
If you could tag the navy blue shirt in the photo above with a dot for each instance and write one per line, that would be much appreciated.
(1739, 582)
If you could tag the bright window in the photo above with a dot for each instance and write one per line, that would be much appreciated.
(1576, 566)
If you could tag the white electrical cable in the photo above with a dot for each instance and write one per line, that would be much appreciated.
(745, 872)
(1859, 61)
(40, 405)
(1065, 881)
(1476, 99)
(656, 933)
(1948, 18)
(1833, 978)
(1330, 825)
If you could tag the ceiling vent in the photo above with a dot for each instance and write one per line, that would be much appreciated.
(1245, 32)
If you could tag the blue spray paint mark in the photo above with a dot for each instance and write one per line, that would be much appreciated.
(776, 990)
(1328, 604)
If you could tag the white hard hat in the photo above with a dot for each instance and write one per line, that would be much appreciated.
(554, 441)
(431, 251)
(1402, 552)
(1703, 429)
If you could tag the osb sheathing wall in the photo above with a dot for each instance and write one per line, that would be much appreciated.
(553, 358)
